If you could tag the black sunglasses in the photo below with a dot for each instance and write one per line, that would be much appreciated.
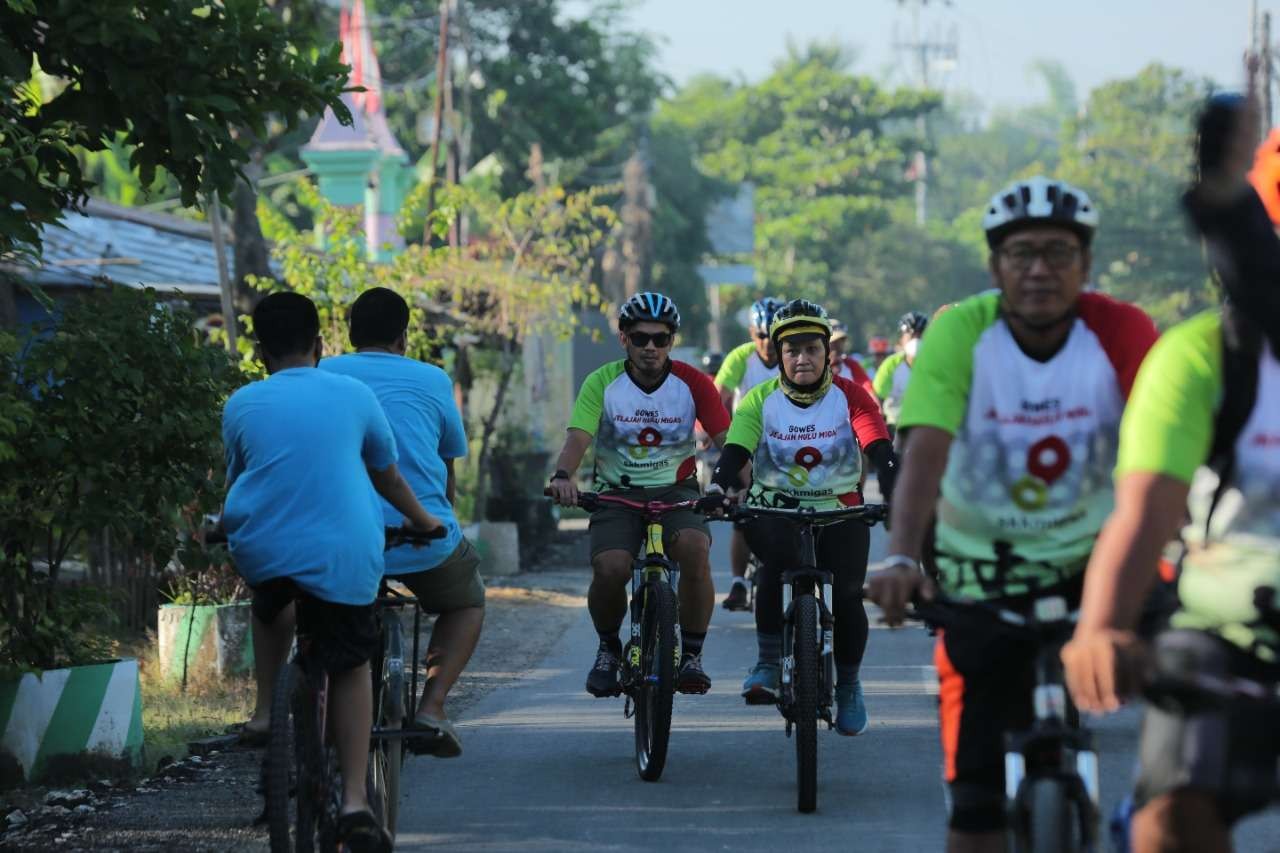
(641, 339)
(764, 336)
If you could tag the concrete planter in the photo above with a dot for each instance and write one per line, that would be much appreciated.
(499, 545)
(208, 639)
(71, 721)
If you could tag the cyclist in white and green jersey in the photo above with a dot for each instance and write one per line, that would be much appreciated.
(890, 383)
(1201, 433)
(745, 367)
(1012, 419)
(641, 413)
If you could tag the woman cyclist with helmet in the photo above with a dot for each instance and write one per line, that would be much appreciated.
(800, 439)
(745, 367)
(640, 412)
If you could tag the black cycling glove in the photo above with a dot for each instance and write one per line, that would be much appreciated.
(881, 454)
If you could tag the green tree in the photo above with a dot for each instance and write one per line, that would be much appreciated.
(171, 80)
(825, 148)
(112, 423)
(1131, 151)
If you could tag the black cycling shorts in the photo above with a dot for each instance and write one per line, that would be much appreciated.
(1229, 754)
(343, 636)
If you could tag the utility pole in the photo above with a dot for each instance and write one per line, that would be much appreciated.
(1265, 71)
(636, 225)
(442, 80)
(922, 52)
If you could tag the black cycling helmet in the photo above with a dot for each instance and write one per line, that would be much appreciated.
(913, 323)
(649, 306)
(711, 362)
(800, 316)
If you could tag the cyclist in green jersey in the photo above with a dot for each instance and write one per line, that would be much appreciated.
(745, 367)
(1202, 433)
(892, 375)
(641, 413)
(799, 441)
(1012, 419)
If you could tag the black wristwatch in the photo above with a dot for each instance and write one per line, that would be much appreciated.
(560, 474)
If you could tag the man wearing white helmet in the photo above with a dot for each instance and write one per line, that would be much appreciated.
(1012, 418)
(641, 412)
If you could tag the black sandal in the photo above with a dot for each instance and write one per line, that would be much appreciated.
(362, 833)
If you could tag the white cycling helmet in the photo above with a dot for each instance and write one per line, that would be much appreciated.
(1039, 200)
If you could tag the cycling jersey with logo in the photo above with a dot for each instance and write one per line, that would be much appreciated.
(1168, 429)
(891, 384)
(743, 370)
(1028, 480)
(811, 456)
(646, 438)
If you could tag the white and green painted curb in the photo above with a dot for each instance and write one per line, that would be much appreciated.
(93, 710)
(205, 640)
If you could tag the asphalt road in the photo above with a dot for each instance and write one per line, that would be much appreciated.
(546, 767)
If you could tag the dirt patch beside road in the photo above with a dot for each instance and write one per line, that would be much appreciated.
(208, 803)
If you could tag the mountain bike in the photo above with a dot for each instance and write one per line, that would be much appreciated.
(301, 763)
(651, 657)
(808, 662)
(1051, 769)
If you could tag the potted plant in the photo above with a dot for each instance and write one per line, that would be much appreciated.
(110, 423)
(203, 629)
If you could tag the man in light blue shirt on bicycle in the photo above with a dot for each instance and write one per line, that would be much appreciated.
(418, 401)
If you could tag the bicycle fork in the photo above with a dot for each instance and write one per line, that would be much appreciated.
(633, 654)
(825, 642)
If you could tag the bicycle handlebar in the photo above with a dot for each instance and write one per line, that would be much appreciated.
(866, 513)
(404, 535)
(592, 501)
(216, 534)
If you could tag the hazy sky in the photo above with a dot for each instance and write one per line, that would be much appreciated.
(1097, 40)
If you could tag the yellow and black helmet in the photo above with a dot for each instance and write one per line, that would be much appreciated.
(800, 317)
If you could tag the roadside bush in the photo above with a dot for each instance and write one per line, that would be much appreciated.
(111, 423)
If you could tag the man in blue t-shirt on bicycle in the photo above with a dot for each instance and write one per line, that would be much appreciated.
(418, 401)
(306, 530)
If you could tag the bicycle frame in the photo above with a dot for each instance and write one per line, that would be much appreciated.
(652, 565)
(1055, 746)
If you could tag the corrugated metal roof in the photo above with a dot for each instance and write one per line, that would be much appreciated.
(130, 247)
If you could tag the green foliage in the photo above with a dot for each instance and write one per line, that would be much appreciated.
(826, 149)
(181, 84)
(117, 411)
(1131, 151)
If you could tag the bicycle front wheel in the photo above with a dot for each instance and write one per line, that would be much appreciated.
(657, 682)
(386, 756)
(1052, 825)
(808, 680)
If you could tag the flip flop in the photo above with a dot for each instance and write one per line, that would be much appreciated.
(251, 738)
(440, 737)
(361, 833)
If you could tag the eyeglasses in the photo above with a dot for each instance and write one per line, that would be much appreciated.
(641, 339)
(1058, 256)
(764, 336)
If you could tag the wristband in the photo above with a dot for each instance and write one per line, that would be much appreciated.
(902, 560)
(560, 474)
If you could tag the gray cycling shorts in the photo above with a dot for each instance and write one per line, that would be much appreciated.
(1230, 754)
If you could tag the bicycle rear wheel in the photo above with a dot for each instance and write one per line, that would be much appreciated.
(386, 755)
(808, 677)
(657, 682)
(282, 751)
